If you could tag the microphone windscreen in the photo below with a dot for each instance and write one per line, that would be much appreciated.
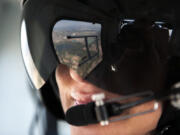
(81, 115)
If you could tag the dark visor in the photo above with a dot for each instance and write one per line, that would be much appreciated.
(137, 54)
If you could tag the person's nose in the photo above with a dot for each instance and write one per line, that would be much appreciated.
(82, 90)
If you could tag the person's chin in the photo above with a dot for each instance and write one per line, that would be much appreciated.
(116, 128)
(87, 130)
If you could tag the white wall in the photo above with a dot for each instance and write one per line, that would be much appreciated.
(16, 106)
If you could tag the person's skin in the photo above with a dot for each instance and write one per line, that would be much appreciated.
(74, 90)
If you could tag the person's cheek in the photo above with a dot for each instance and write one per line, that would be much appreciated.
(64, 82)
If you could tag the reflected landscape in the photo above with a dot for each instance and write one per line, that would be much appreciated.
(78, 45)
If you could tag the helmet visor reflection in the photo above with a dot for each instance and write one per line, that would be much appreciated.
(78, 45)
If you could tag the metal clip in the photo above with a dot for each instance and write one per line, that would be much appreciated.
(100, 109)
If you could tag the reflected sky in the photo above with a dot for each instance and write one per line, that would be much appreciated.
(75, 25)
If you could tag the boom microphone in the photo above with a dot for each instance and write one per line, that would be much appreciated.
(100, 111)
(81, 115)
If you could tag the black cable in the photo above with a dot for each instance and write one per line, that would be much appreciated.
(115, 108)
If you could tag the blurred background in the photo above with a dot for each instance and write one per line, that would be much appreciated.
(21, 112)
